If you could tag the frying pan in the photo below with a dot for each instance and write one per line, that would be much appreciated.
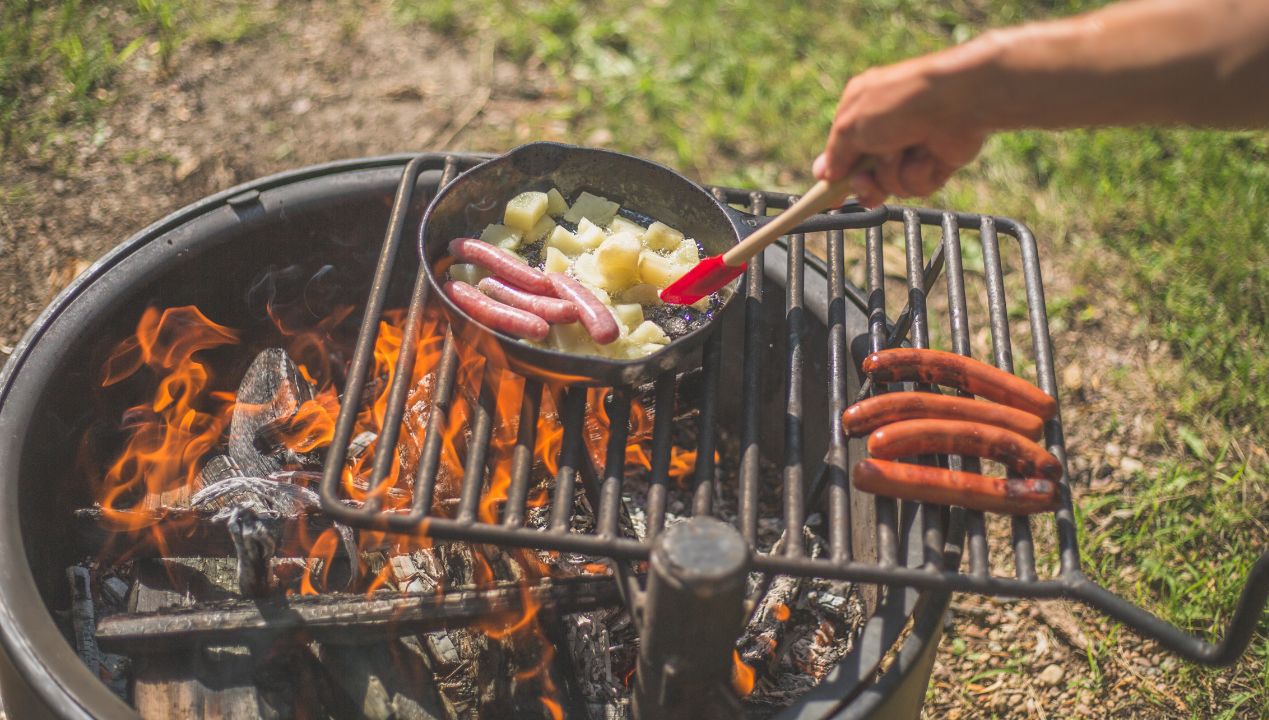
(477, 198)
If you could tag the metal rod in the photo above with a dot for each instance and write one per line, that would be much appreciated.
(886, 511)
(433, 437)
(703, 483)
(609, 508)
(1002, 349)
(662, 429)
(931, 515)
(522, 454)
(1069, 556)
(368, 333)
(794, 489)
(838, 461)
(958, 319)
(751, 378)
(481, 424)
(574, 411)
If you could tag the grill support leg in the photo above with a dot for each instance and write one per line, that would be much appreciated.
(693, 613)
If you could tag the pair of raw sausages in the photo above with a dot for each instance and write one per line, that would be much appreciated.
(909, 424)
(523, 301)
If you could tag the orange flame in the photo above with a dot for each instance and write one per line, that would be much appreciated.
(742, 676)
(781, 612)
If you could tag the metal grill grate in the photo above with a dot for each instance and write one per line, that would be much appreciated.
(604, 486)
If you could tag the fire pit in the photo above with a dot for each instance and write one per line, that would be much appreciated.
(519, 549)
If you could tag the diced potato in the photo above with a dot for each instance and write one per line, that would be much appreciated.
(470, 274)
(618, 259)
(620, 224)
(657, 270)
(504, 237)
(630, 315)
(687, 253)
(571, 338)
(556, 205)
(643, 293)
(565, 242)
(598, 210)
(649, 348)
(600, 293)
(660, 236)
(649, 332)
(541, 230)
(589, 235)
(524, 211)
(587, 271)
(556, 261)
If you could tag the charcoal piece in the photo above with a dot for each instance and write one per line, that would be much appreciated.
(272, 388)
(84, 617)
(255, 535)
(360, 444)
(270, 440)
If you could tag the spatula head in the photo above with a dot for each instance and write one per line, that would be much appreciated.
(707, 277)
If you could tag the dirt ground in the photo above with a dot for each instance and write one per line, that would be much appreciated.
(320, 89)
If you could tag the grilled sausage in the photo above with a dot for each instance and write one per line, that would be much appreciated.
(487, 311)
(501, 263)
(955, 487)
(867, 415)
(595, 316)
(550, 309)
(909, 438)
(958, 371)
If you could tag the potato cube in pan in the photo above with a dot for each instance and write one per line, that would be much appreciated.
(556, 261)
(589, 235)
(468, 273)
(524, 211)
(630, 315)
(687, 253)
(502, 236)
(649, 332)
(556, 205)
(599, 210)
(620, 224)
(660, 236)
(657, 270)
(540, 231)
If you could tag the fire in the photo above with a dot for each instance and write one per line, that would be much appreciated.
(742, 676)
(187, 417)
(781, 612)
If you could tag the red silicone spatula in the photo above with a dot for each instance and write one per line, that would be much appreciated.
(714, 272)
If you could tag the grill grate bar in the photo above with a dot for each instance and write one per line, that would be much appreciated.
(838, 461)
(908, 562)
(477, 448)
(522, 455)
(703, 482)
(794, 319)
(1068, 550)
(1023, 545)
(931, 515)
(886, 510)
(751, 377)
(958, 319)
(430, 453)
(662, 431)
(618, 404)
(574, 416)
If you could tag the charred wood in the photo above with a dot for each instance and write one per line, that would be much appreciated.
(271, 389)
(342, 618)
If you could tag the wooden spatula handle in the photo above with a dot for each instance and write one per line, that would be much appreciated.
(816, 199)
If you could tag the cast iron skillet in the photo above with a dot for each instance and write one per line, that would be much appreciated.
(478, 196)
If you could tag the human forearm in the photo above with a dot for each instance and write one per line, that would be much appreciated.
(1142, 62)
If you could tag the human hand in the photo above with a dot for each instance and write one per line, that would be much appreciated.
(917, 121)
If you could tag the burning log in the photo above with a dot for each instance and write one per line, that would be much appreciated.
(272, 389)
(181, 532)
(338, 617)
(255, 535)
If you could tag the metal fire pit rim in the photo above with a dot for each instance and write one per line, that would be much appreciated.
(25, 625)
